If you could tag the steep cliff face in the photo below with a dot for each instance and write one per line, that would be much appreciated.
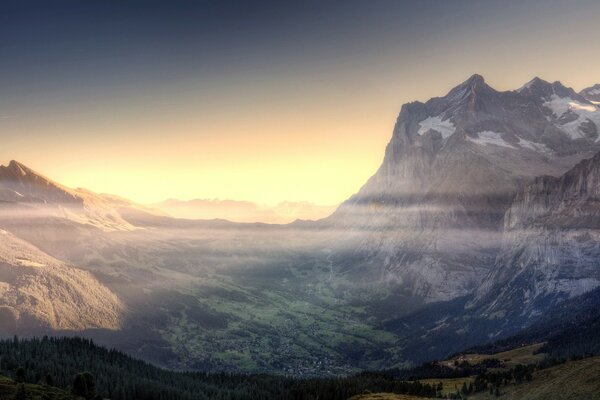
(431, 217)
(551, 245)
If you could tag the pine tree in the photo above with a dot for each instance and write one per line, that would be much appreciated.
(20, 375)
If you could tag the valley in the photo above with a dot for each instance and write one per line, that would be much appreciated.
(455, 241)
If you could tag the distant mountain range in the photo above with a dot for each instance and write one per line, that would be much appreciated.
(244, 211)
(483, 216)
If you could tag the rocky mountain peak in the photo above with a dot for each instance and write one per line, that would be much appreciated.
(469, 89)
(19, 168)
(541, 89)
(19, 181)
(16, 169)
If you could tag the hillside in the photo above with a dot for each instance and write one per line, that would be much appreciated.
(574, 380)
(39, 293)
(522, 371)
(121, 377)
(10, 389)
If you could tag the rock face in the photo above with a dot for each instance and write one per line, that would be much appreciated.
(592, 93)
(551, 245)
(39, 292)
(431, 218)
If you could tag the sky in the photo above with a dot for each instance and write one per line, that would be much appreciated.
(265, 101)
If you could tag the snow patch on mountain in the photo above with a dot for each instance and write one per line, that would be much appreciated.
(538, 147)
(445, 127)
(562, 106)
(490, 138)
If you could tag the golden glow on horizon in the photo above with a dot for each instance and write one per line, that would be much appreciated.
(313, 133)
(305, 149)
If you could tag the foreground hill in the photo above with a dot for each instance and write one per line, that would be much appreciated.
(10, 389)
(574, 380)
(55, 368)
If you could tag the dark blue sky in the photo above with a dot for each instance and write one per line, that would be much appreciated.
(81, 45)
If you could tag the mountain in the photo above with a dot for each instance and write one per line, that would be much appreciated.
(592, 93)
(39, 293)
(243, 211)
(550, 244)
(431, 218)
(20, 183)
(27, 194)
(569, 329)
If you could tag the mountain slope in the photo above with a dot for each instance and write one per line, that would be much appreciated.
(592, 93)
(28, 195)
(38, 292)
(550, 248)
(20, 183)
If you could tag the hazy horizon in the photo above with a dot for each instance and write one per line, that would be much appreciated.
(164, 102)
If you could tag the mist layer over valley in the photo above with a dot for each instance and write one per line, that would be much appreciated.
(482, 216)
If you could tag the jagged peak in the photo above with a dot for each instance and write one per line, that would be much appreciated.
(17, 168)
(540, 88)
(536, 81)
(475, 81)
(471, 87)
(29, 183)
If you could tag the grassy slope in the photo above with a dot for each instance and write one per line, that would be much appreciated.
(449, 385)
(575, 380)
(385, 396)
(519, 355)
(8, 388)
